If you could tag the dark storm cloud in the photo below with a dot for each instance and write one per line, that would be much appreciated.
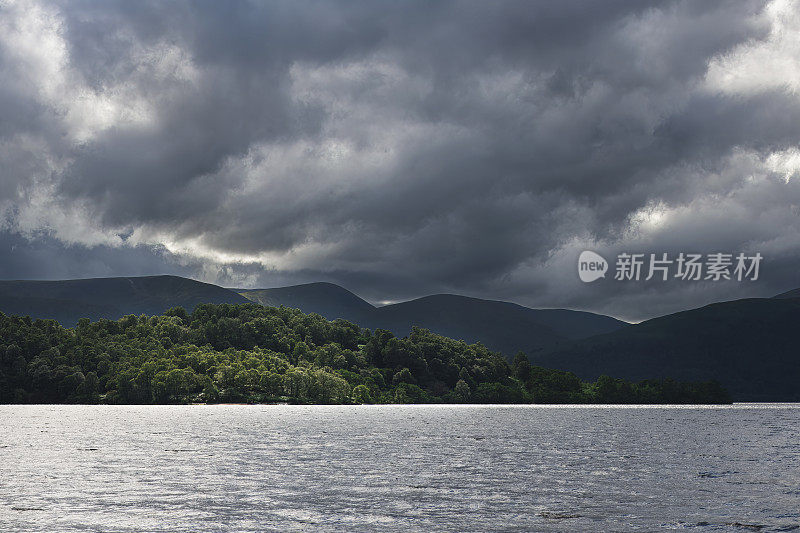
(47, 258)
(401, 148)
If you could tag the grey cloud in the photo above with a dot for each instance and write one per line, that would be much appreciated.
(402, 149)
(46, 258)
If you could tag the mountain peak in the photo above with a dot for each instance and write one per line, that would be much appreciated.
(327, 299)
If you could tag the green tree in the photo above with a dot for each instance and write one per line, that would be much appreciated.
(361, 394)
(462, 391)
(522, 367)
(403, 376)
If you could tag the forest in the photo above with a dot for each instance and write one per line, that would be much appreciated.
(248, 353)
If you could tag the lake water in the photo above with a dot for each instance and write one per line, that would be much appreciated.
(399, 468)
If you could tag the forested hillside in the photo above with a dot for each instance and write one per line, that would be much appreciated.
(252, 353)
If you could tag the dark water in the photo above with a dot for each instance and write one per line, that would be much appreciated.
(399, 468)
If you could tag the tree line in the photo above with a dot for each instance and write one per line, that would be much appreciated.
(255, 354)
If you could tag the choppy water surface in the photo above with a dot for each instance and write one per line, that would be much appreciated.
(398, 468)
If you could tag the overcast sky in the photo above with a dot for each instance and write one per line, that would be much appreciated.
(402, 148)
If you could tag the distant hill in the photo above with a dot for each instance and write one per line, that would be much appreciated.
(500, 326)
(326, 299)
(794, 293)
(750, 346)
(69, 300)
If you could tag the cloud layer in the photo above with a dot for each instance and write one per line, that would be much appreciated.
(402, 149)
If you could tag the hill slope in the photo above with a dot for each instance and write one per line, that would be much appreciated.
(750, 346)
(794, 293)
(326, 299)
(69, 300)
(563, 322)
(501, 326)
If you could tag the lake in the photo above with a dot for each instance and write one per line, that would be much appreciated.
(235, 468)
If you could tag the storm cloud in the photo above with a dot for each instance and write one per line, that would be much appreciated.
(402, 149)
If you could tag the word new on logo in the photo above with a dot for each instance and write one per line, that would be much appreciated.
(591, 266)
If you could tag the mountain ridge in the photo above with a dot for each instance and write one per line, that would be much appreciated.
(748, 345)
(69, 300)
(501, 326)
(793, 293)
